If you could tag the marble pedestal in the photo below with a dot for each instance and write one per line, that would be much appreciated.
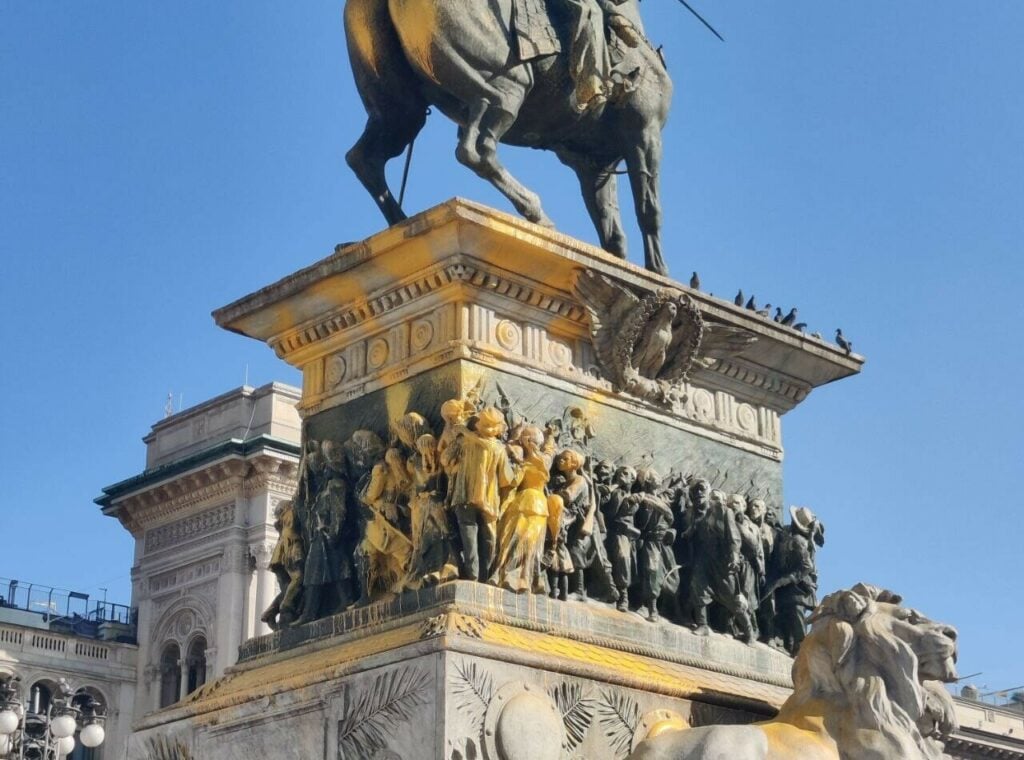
(444, 672)
(464, 299)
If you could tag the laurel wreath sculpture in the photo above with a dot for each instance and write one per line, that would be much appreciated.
(647, 344)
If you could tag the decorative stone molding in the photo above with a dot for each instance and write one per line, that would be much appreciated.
(262, 554)
(452, 272)
(184, 576)
(452, 623)
(190, 527)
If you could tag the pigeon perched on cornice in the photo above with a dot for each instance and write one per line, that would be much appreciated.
(751, 305)
(842, 342)
(738, 300)
(695, 281)
(790, 318)
(800, 326)
(778, 314)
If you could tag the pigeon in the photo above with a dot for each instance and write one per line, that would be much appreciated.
(695, 281)
(790, 318)
(766, 311)
(778, 314)
(817, 336)
(844, 344)
(751, 305)
(738, 300)
(800, 326)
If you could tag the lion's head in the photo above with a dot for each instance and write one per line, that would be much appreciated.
(868, 659)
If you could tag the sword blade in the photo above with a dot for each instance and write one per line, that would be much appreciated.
(702, 20)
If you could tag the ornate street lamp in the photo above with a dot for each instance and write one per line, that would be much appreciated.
(29, 732)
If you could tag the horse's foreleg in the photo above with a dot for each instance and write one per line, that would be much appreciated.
(643, 162)
(600, 189)
(493, 125)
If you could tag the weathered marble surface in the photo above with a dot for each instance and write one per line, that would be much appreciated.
(451, 659)
(622, 435)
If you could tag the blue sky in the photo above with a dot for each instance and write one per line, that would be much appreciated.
(862, 161)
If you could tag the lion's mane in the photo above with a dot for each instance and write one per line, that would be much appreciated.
(853, 661)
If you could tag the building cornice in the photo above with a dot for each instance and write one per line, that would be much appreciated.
(219, 472)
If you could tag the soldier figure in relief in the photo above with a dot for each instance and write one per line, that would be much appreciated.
(751, 574)
(654, 556)
(620, 514)
(325, 570)
(716, 546)
(433, 560)
(524, 522)
(794, 581)
(479, 466)
(586, 536)
(386, 548)
(286, 563)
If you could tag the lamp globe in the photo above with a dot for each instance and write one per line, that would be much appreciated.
(8, 722)
(92, 735)
(65, 746)
(62, 726)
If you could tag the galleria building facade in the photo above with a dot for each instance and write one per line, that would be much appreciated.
(202, 516)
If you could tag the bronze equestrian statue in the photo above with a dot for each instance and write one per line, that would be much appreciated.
(577, 77)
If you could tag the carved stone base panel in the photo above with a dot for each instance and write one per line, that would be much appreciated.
(622, 434)
(466, 671)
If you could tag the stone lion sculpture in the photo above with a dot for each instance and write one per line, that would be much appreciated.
(866, 686)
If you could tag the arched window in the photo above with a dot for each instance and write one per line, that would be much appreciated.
(170, 675)
(84, 697)
(41, 694)
(196, 663)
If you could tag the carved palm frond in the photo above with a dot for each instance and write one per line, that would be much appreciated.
(619, 715)
(470, 752)
(375, 711)
(162, 748)
(577, 713)
(473, 690)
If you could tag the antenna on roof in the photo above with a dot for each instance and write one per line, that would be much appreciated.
(169, 406)
(246, 375)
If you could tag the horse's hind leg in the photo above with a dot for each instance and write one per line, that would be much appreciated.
(388, 86)
(643, 162)
(381, 141)
(600, 189)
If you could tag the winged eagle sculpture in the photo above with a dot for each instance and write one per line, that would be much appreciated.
(647, 344)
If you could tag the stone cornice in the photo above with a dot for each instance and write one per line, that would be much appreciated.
(462, 243)
(454, 271)
(150, 500)
(975, 743)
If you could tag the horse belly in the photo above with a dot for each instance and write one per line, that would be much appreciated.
(448, 45)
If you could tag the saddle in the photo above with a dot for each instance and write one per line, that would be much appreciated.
(534, 36)
(533, 33)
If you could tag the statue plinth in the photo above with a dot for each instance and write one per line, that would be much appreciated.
(453, 655)
(423, 311)
(462, 302)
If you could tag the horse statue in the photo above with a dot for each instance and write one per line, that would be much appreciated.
(464, 58)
